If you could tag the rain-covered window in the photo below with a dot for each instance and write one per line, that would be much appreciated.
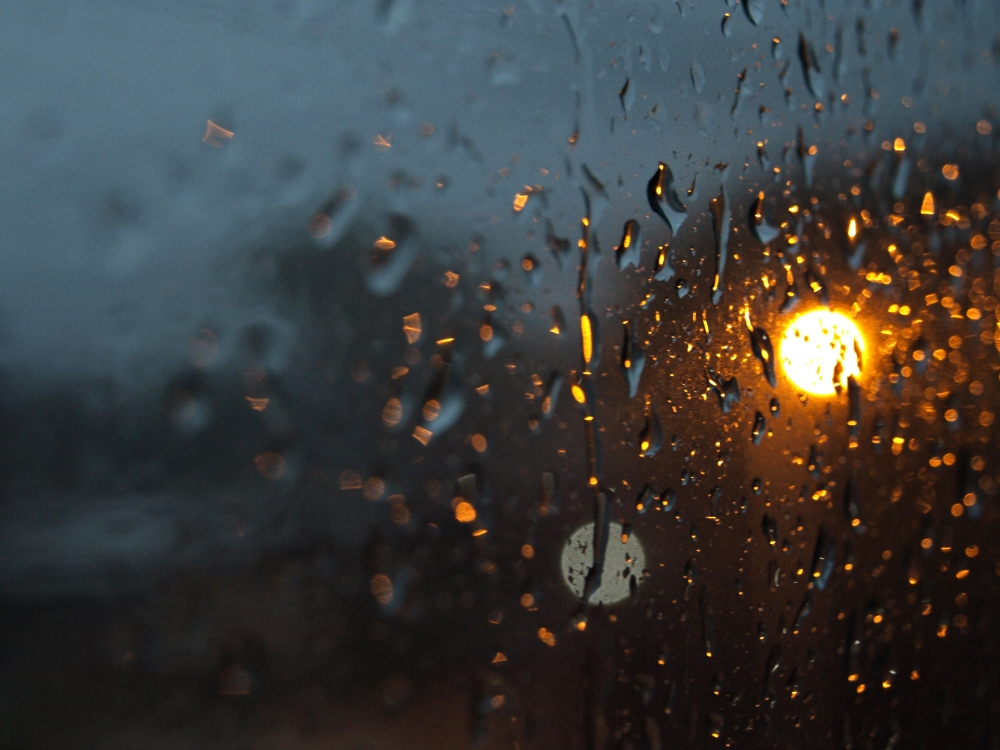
(544, 374)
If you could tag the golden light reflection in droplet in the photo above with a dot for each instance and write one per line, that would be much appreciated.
(820, 350)
(588, 339)
(927, 207)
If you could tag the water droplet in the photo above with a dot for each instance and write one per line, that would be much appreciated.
(697, 76)
(760, 343)
(854, 410)
(758, 224)
(775, 407)
(852, 504)
(626, 96)
(647, 499)
(810, 69)
(808, 156)
(707, 621)
(791, 297)
(532, 269)
(629, 250)
(595, 537)
(727, 390)
(668, 499)
(661, 192)
(818, 285)
(651, 437)
(683, 287)
(754, 10)
(633, 360)
(727, 30)
(550, 395)
(664, 270)
(901, 177)
(329, 223)
(589, 341)
(558, 326)
(824, 559)
(770, 528)
(720, 220)
(392, 256)
(759, 428)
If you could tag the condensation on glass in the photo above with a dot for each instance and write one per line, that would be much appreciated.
(541, 375)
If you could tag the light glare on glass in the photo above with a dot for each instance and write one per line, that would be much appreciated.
(820, 350)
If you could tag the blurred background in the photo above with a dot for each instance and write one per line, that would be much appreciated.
(556, 374)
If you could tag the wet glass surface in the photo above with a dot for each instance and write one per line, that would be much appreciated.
(545, 375)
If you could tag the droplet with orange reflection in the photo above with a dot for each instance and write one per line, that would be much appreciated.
(820, 350)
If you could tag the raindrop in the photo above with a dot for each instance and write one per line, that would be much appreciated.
(773, 575)
(758, 224)
(852, 504)
(443, 403)
(697, 76)
(559, 246)
(818, 285)
(590, 340)
(683, 287)
(626, 96)
(668, 499)
(532, 269)
(892, 42)
(647, 499)
(791, 298)
(759, 428)
(596, 195)
(770, 528)
(492, 338)
(633, 360)
(854, 410)
(742, 90)
(707, 621)
(901, 177)
(651, 437)
(760, 343)
(690, 578)
(327, 226)
(727, 390)
(551, 395)
(808, 156)
(775, 407)
(629, 250)
(727, 30)
(558, 326)
(810, 69)
(592, 537)
(720, 220)
(392, 256)
(824, 559)
(754, 10)
(771, 668)
(661, 192)
(804, 610)
(664, 270)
